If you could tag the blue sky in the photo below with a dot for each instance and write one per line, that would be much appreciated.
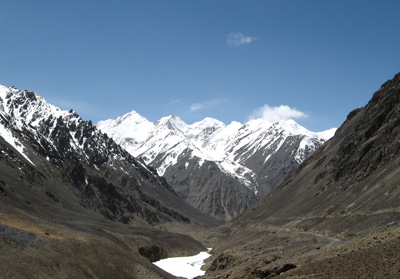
(310, 60)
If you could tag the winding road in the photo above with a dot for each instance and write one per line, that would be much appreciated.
(332, 240)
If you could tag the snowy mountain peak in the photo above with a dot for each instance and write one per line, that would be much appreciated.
(203, 129)
(292, 127)
(29, 112)
(256, 124)
(27, 107)
(171, 119)
(208, 122)
(132, 116)
(129, 127)
(174, 123)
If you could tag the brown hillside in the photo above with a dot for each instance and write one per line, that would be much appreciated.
(335, 216)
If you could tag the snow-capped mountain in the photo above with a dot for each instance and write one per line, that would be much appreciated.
(62, 161)
(220, 169)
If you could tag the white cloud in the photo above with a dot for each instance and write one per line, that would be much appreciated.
(207, 104)
(196, 107)
(238, 39)
(274, 114)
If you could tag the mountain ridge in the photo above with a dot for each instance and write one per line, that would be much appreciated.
(246, 160)
(63, 139)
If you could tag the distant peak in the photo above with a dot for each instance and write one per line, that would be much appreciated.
(288, 122)
(170, 119)
(210, 119)
(208, 122)
(173, 122)
(174, 118)
(131, 116)
(259, 122)
(132, 112)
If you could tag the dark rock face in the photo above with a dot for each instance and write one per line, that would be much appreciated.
(271, 173)
(222, 262)
(153, 253)
(210, 190)
(374, 141)
(270, 273)
(223, 196)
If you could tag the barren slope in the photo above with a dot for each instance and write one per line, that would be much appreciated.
(335, 216)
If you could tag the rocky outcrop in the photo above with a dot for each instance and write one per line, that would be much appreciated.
(153, 253)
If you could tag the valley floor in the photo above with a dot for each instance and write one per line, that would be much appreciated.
(32, 247)
(36, 246)
(273, 252)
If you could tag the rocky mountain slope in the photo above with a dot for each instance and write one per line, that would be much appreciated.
(219, 169)
(335, 216)
(355, 173)
(75, 204)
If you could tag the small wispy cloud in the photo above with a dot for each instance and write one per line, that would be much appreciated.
(196, 107)
(206, 104)
(238, 39)
(175, 102)
(274, 114)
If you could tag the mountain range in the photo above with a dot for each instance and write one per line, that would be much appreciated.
(76, 204)
(219, 169)
(68, 189)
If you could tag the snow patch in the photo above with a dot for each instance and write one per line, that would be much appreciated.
(328, 133)
(14, 142)
(186, 267)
